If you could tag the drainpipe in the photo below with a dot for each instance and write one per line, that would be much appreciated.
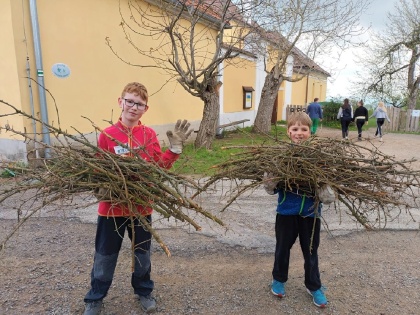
(307, 88)
(40, 76)
(31, 102)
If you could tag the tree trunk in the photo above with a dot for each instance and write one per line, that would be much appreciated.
(207, 130)
(413, 81)
(269, 93)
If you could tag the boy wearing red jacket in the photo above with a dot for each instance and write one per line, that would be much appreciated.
(113, 220)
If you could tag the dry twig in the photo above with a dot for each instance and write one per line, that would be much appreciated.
(369, 183)
(76, 166)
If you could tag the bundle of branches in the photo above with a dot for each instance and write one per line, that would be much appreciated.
(75, 166)
(369, 183)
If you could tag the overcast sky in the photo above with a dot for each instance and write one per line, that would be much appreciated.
(339, 84)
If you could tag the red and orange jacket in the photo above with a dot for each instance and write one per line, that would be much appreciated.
(140, 139)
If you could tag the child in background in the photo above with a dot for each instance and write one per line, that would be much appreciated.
(380, 114)
(345, 115)
(314, 111)
(297, 216)
(361, 116)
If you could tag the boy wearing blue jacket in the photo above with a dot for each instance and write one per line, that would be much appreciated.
(297, 216)
(314, 111)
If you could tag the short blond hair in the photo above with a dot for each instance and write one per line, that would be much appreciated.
(136, 89)
(301, 118)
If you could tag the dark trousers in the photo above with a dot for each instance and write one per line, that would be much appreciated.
(359, 124)
(109, 236)
(288, 228)
(345, 127)
(379, 123)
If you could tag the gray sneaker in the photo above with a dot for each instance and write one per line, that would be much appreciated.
(93, 308)
(148, 303)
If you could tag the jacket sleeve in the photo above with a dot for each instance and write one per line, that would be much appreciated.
(373, 114)
(163, 159)
(339, 113)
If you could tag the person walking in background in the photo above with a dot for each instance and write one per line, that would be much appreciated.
(380, 114)
(361, 116)
(314, 111)
(345, 115)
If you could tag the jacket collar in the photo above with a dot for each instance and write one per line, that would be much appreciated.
(125, 127)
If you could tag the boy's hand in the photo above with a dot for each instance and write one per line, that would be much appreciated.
(326, 194)
(180, 134)
(269, 184)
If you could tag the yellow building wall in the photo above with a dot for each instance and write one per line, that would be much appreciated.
(305, 90)
(280, 102)
(299, 92)
(74, 33)
(9, 78)
(241, 72)
(318, 88)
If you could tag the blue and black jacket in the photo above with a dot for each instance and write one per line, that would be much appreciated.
(294, 203)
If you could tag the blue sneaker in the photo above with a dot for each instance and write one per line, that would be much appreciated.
(319, 297)
(277, 288)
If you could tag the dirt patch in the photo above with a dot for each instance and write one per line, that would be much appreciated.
(45, 268)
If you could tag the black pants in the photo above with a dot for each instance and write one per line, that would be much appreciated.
(109, 238)
(288, 228)
(379, 123)
(359, 124)
(345, 127)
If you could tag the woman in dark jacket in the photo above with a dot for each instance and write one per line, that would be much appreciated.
(345, 115)
(360, 116)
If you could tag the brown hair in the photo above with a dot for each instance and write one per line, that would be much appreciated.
(301, 118)
(346, 103)
(136, 89)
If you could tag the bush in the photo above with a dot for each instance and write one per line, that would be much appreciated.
(330, 110)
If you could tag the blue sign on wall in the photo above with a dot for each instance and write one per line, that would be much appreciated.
(61, 70)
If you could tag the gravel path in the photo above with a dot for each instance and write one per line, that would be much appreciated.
(45, 267)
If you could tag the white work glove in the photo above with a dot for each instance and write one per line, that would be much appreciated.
(180, 134)
(269, 184)
(326, 194)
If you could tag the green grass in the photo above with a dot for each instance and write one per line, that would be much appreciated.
(200, 161)
(13, 169)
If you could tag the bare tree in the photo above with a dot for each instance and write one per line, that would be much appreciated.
(302, 29)
(391, 61)
(190, 45)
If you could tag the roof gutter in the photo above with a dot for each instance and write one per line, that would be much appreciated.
(40, 77)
